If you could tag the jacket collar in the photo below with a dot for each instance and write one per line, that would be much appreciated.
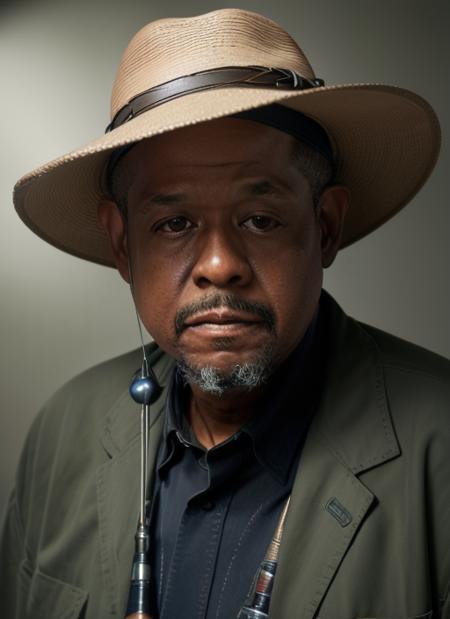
(122, 425)
(354, 418)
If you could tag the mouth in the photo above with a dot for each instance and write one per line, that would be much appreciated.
(222, 322)
(221, 318)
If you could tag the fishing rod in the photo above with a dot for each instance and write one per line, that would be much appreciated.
(144, 390)
(258, 607)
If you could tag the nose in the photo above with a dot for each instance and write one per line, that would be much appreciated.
(221, 261)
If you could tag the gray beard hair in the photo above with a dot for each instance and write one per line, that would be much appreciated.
(210, 380)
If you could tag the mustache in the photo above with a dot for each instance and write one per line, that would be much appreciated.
(230, 301)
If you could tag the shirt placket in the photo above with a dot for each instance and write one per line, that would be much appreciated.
(201, 528)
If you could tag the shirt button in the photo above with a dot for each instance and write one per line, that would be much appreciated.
(207, 506)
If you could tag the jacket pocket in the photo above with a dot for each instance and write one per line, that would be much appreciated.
(44, 597)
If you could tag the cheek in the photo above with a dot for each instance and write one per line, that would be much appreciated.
(157, 288)
(293, 284)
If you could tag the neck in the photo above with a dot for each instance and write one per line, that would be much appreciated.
(213, 419)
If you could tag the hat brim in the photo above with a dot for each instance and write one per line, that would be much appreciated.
(386, 141)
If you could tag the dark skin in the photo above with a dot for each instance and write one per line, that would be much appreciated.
(223, 208)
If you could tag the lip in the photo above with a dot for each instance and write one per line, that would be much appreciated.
(219, 318)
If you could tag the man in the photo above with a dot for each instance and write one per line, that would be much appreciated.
(228, 179)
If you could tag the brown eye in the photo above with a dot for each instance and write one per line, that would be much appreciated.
(261, 223)
(176, 224)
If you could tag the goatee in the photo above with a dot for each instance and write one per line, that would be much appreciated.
(248, 375)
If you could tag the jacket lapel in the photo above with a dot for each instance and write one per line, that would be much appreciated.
(351, 432)
(118, 488)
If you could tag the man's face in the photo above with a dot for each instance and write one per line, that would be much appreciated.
(225, 245)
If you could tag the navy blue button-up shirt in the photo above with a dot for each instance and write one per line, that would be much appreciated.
(215, 511)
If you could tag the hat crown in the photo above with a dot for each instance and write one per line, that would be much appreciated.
(169, 48)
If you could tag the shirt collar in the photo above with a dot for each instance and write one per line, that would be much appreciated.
(279, 429)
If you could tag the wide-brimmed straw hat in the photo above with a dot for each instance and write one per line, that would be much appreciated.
(179, 72)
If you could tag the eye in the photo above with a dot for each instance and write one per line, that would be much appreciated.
(261, 223)
(175, 224)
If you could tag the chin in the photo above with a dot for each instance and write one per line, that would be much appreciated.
(225, 358)
(244, 376)
(224, 371)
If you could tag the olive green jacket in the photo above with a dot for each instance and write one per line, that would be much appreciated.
(368, 530)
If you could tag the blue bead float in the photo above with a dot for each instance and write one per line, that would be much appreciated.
(144, 389)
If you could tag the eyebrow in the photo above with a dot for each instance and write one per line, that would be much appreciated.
(259, 188)
(262, 188)
(167, 198)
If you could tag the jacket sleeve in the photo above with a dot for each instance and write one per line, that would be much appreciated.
(12, 557)
(15, 558)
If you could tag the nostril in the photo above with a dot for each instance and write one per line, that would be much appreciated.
(202, 282)
(235, 279)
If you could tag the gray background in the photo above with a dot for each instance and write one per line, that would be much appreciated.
(57, 63)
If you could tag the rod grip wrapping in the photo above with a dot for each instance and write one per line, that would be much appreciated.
(140, 596)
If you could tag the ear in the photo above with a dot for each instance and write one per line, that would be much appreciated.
(332, 207)
(114, 223)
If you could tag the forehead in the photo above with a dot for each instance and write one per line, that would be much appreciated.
(220, 145)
